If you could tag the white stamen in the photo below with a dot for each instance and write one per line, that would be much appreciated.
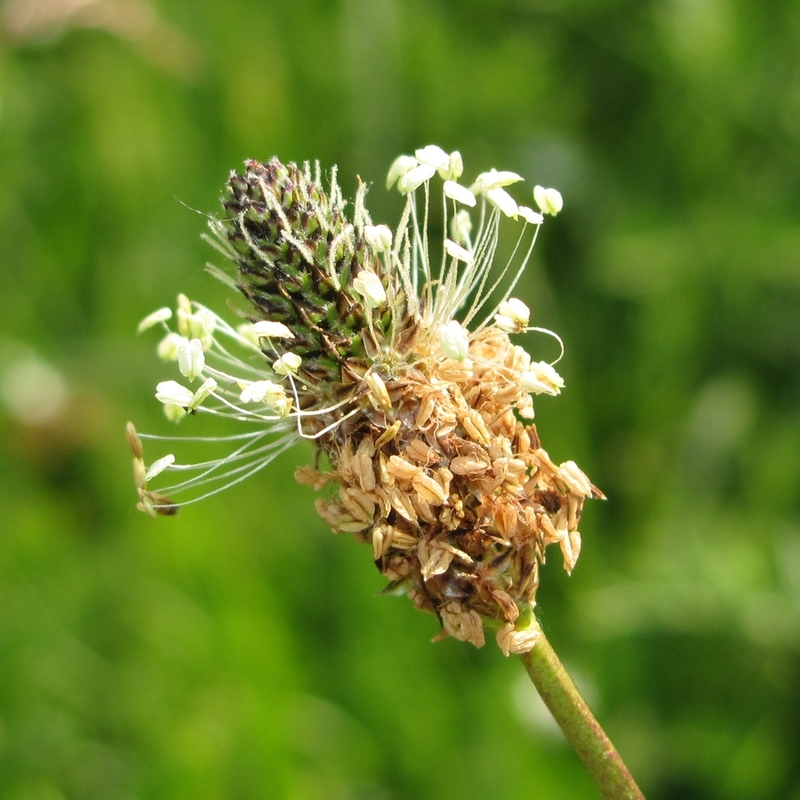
(191, 361)
(434, 156)
(207, 387)
(541, 378)
(461, 226)
(494, 179)
(454, 340)
(458, 252)
(503, 200)
(455, 191)
(414, 179)
(162, 315)
(258, 391)
(400, 167)
(287, 364)
(549, 200)
(170, 345)
(530, 216)
(174, 413)
(272, 330)
(512, 316)
(369, 286)
(174, 393)
(378, 237)
(157, 467)
(456, 166)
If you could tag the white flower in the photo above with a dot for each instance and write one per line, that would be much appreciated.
(369, 286)
(512, 316)
(191, 360)
(378, 237)
(454, 340)
(455, 191)
(272, 330)
(246, 332)
(549, 200)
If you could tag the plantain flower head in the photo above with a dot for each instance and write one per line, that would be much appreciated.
(390, 351)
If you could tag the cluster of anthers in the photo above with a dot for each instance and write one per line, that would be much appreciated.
(393, 357)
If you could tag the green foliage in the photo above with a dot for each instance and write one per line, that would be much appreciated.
(240, 650)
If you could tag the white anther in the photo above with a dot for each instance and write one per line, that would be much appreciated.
(191, 361)
(157, 467)
(174, 393)
(455, 191)
(287, 364)
(530, 216)
(170, 345)
(435, 157)
(461, 226)
(378, 237)
(541, 378)
(414, 179)
(369, 286)
(162, 315)
(549, 200)
(208, 386)
(400, 167)
(272, 330)
(458, 252)
(503, 200)
(454, 340)
(512, 316)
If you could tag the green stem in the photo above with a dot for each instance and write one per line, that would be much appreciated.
(582, 730)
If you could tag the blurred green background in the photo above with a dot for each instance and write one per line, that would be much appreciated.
(240, 650)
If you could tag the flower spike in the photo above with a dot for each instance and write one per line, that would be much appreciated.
(389, 349)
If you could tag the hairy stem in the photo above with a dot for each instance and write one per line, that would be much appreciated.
(582, 730)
